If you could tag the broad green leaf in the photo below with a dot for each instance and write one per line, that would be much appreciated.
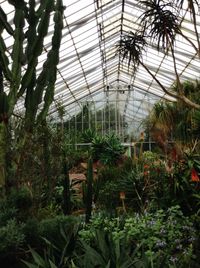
(37, 258)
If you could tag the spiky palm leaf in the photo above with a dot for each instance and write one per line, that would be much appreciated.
(190, 3)
(130, 47)
(161, 21)
(193, 7)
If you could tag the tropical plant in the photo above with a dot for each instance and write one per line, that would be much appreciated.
(105, 251)
(107, 149)
(171, 121)
(57, 255)
(192, 6)
(160, 23)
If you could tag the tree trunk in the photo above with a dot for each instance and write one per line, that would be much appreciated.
(2, 158)
(177, 96)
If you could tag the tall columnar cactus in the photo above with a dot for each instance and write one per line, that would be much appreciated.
(3, 130)
(89, 190)
(19, 64)
(22, 76)
(66, 186)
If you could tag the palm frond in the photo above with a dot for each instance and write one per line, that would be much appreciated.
(190, 3)
(161, 22)
(130, 48)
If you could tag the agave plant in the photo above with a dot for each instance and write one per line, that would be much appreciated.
(56, 256)
(107, 252)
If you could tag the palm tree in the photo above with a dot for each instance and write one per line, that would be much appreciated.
(160, 23)
(193, 7)
(163, 24)
(172, 117)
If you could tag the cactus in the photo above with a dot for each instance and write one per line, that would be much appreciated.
(29, 84)
(4, 22)
(4, 104)
(89, 191)
(66, 186)
(3, 133)
(27, 48)
(2, 156)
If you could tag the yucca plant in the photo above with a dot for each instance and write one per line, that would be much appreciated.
(163, 22)
(131, 48)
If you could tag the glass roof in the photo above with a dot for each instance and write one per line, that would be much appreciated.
(90, 69)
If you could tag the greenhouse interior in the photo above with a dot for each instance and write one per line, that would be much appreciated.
(100, 133)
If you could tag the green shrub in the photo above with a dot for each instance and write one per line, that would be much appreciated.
(50, 228)
(7, 212)
(106, 190)
(109, 196)
(31, 232)
(11, 238)
(47, 212)
(21, 198)
(167, 234)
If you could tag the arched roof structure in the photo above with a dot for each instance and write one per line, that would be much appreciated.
(90, 70)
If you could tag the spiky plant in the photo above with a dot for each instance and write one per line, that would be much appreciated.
(130, 48)
(159, 23)
(162, 22)
(194, 7)
(19, 62)
(31, 26)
